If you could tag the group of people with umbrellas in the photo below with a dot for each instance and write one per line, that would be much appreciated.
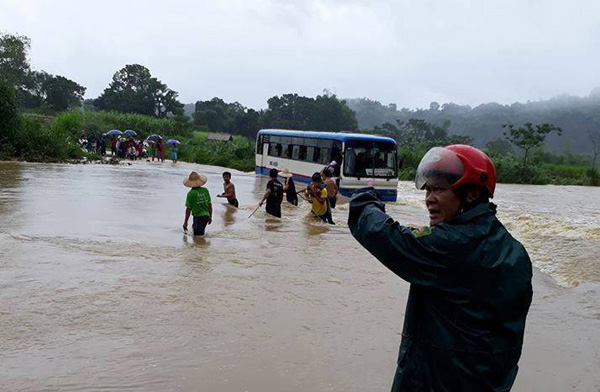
(126, 145)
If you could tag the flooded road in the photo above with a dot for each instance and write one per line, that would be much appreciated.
(101, 290)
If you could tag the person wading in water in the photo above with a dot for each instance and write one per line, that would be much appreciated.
(317, 196)
(332, 189)
(470, 280)
(229, 190)
(289, 187)
(197, 203)
(273, 195)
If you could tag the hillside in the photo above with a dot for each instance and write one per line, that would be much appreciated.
(575, 115)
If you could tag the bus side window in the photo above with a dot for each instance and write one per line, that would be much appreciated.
(296, 152)
(316, 154)
(302, 153)
(310, 153)
(325, 156)
(288, 151)
(275, 149)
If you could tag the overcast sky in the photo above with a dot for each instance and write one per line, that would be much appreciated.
(409, 52)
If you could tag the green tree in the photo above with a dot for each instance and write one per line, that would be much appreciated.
(219, 116)
(9, 116)
(14, 61)
(529, 136)
(134, 90)
(323, 113)
(499, 147)
(62, 93)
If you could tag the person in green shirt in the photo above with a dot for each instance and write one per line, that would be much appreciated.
(197, 203)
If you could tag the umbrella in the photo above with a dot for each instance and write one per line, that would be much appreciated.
(154, 137)
(130, 132)
(173, 141)
(114, 132)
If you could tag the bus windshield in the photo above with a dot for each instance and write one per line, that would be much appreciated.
(369, 159)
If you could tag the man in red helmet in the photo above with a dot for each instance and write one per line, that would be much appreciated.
(470, 280)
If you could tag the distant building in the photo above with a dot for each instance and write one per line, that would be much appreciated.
(220, 137)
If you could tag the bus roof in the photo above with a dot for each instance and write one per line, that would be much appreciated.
(326, 135)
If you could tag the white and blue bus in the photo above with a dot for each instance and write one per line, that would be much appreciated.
(359, 158)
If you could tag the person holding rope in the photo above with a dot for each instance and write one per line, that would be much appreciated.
(470, 280)
(317, 196)
(273, 195)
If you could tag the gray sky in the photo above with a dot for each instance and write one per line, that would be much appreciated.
(409, 52)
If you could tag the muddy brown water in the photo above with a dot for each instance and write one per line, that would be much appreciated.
(102, 291)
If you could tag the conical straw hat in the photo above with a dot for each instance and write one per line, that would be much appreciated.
(194, 180)
(285, 173)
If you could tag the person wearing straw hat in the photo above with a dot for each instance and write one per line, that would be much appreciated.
(289, 187)
(197, 203)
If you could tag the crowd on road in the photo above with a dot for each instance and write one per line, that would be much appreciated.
(129, 147)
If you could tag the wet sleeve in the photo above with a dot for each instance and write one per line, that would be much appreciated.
(420, 260)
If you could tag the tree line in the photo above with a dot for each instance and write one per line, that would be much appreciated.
(578, 117)
(518, 149)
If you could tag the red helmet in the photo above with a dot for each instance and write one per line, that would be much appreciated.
(459, 164)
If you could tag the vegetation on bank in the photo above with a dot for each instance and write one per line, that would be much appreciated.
(36, 124)
(194, 147)
(416, 137)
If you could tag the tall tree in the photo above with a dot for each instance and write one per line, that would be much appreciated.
(134, 90)
(529, 136)
(14, 61)
(9, 115)
(62, 93)
(323, 113)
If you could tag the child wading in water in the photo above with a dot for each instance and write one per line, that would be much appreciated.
(197, 203)
(229, 190)
(317, 196)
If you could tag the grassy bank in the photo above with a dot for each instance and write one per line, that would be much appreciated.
(53, 139)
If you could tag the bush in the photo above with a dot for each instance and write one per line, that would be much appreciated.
(37, 141)
(10, 121)
(76, 123)
(238, 154)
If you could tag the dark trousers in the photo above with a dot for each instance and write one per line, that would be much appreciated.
(332, 200)
(326, 217)
(233, 202)
(199, 224)
(274, 209)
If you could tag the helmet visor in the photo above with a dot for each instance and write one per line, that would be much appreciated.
(439, 167)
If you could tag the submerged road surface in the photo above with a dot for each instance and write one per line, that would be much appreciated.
(101, 290)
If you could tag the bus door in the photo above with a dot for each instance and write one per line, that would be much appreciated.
(262, 148)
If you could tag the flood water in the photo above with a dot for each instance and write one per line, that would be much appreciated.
(101, 290)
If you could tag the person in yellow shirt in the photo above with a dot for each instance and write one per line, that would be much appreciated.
(317, 195)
